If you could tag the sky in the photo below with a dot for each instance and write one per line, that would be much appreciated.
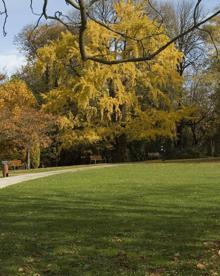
(20, 15)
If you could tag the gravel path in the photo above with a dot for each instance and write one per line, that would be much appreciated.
(5, 182)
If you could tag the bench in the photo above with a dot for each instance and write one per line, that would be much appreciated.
(95, 158)
(15, 164)
(153, 155)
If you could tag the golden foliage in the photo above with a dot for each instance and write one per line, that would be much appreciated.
(15, 94)
(129, 97)
(21, 123)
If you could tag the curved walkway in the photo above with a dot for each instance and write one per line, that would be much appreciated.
(5, 182)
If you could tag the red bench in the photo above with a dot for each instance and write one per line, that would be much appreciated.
(15, 164)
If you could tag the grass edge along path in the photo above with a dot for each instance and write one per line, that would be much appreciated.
(9, 181)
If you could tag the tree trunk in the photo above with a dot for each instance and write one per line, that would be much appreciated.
(28, 158)
(195, 140)
(121, 149)
(212, 146)
(179, 135)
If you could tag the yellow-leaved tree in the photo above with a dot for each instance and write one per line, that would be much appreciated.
(118, 102)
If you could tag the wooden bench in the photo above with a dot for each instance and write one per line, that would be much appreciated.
(153, 155)
(95, 158)
(15, 164)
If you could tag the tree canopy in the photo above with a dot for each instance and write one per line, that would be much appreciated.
(129, 98)
(22, 124)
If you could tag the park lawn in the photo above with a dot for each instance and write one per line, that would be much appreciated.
(58, 168)
(140, 219)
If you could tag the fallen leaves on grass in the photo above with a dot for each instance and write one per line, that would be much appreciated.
(122, 258)
(201, 266)
(214, 273)
(176, 257)
(158, 272)
(212, 264)
(116, 240)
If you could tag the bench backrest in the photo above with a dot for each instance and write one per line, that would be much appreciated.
(96, 157)
(153, 155)
(15, 163)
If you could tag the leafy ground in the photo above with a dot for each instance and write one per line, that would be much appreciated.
(140, 219)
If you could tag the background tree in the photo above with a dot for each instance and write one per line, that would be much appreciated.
(22, 125)
(29, 40)
(125, 101)
(178, 17)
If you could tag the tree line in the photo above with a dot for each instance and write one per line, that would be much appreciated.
(62, 107)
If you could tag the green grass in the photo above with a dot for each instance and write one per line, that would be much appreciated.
(46, 169)
(140, 219)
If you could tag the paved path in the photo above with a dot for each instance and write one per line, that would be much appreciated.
(5, 182)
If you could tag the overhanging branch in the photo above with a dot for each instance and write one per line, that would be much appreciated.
(83, 7)
(5, 14)
(84, 18)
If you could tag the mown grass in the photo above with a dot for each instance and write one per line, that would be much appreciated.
(46, 169)
(140, 219)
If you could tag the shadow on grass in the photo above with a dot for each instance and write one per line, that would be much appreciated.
(80, 236)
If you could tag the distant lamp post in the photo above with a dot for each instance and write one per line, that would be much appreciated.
(163, 153)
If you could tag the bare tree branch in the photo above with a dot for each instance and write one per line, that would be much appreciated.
(82, 30)
(32, 9)
(148, 57)
(5, 13)
(157, 12)
(196, 10)
(73, 4)
(57, 15)
(83, 6)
